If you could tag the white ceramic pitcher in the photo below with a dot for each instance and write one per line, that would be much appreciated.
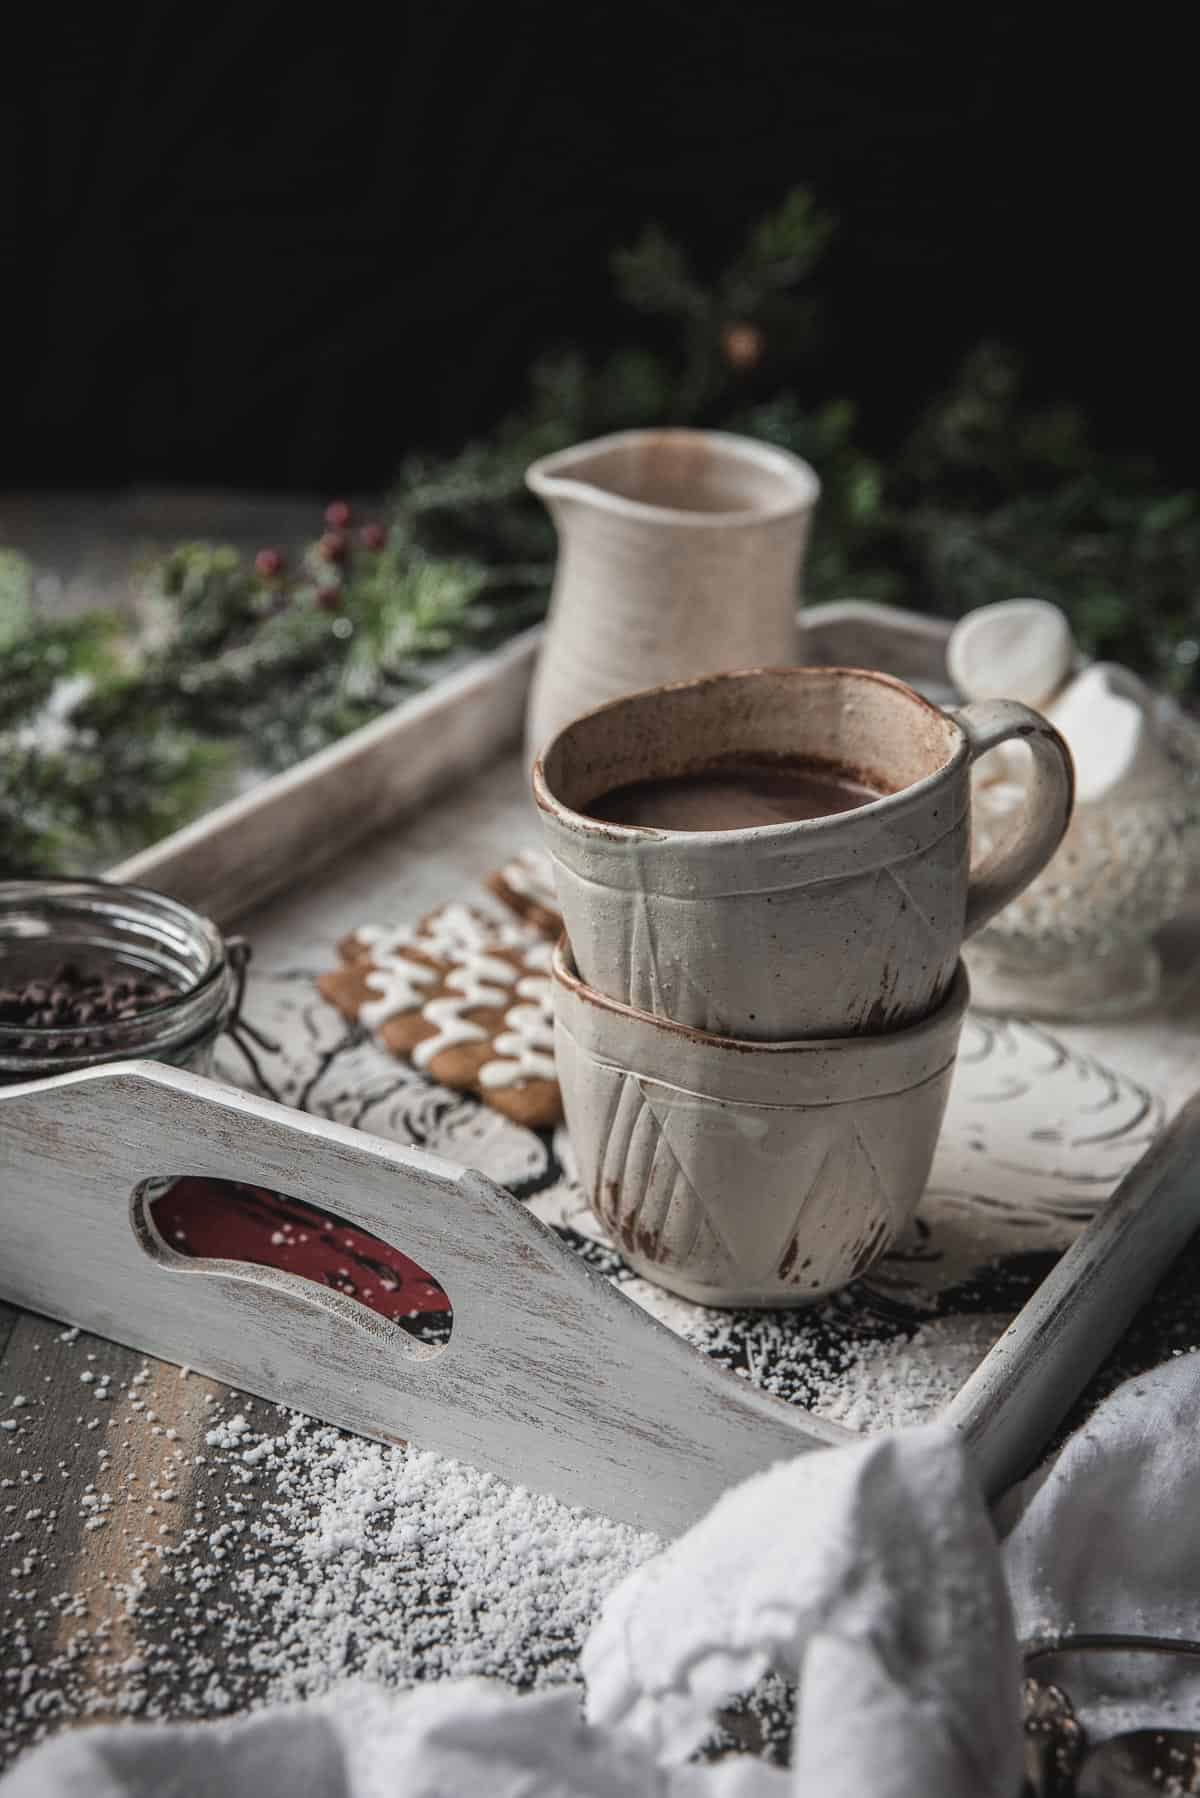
(679, 554)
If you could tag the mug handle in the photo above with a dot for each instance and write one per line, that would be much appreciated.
(1038, 831)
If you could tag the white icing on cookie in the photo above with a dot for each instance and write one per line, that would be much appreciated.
(526, 1048)
(453, 934)
(401, 986)
(471, 979)
(456, 931)
(447, 934)
(385, 939)
(470, 987)
(531, 876)
(452, 1030)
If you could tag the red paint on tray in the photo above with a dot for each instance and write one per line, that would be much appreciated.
(230, 1220)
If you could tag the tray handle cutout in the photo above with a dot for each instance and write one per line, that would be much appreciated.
(204, 1225)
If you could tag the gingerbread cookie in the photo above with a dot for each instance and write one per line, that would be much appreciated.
(466, 999)
(439, 937)
(417, 956)
(526, 886)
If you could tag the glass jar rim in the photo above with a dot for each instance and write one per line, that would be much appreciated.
(184, 1010)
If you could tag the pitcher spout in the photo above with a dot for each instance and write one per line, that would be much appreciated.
(678, 476)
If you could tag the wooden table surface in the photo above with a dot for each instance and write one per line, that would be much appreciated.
(84, 1467)
(81, 1483)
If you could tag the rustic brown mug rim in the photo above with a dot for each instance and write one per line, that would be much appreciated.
(902, 799)
(954, 1002)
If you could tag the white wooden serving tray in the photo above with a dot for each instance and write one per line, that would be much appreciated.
(552, 1376)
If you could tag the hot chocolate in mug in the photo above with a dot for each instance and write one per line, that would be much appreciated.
(785, 852)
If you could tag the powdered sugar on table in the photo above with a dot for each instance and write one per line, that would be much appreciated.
(281, 1559)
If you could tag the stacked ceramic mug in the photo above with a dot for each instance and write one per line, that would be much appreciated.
(765, 882)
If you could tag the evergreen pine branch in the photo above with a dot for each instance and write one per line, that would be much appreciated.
(653, 276)
(784, 249)
(35, 663)
(16, 598)
(109, 736)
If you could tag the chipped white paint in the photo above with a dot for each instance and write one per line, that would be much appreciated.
(551, 1377)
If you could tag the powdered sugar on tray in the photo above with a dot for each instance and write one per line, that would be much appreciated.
(910, 1380)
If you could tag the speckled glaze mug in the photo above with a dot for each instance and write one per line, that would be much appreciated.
(739, 1173)
(830, 926)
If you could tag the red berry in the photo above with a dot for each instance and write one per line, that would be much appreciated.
(374, 536)
(333, 546)
(329, 599)
(269, 563)
(743, 345)
(337, 515)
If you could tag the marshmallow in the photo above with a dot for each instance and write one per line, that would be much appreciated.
(1017, 649)
(1107, 716)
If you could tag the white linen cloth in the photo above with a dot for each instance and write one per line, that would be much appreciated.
(1104, 1540)
(870, 1573)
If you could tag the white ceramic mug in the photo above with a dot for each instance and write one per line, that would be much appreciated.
(741, 1173)
(837, 925)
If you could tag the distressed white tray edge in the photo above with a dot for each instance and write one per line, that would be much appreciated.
(1031, 1376)
(247, 850)
(244, 852)
(552, 1377)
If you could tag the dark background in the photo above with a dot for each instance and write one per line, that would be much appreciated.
(243, 248)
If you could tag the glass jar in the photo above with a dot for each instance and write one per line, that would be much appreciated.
(108, 931)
